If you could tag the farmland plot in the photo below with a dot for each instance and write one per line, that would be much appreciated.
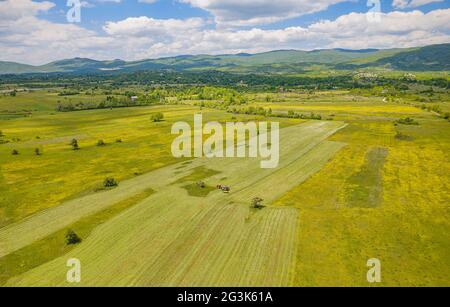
(172, 239)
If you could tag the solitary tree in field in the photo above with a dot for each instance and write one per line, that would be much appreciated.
(74, 144)
(157, 117)
(38, 152)
(72, 238)
(257, 203)
(110, 183)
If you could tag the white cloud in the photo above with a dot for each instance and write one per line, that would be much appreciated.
(13, 9)
(396, 29)
(256, 12)
(150, 26)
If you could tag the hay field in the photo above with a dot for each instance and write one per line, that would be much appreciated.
(172, 238)
(386, 196)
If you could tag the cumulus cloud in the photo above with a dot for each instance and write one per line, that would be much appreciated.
(396, 29)
(10, 10)
(256, 12)
(150, 26)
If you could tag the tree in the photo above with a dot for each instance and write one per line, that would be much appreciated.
(13, 93)
(157, 117)
(14, 152)
(110, 183)
(101, 143)
(257, 203)
(75, 145)
(37, 151)
(72, 238)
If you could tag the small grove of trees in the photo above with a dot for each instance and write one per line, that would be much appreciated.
(110, 183)
(407, 121)
(268, 113)
(72, 238)
(157, 117)
(122, 101)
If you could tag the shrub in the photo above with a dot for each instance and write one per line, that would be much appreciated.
(14, 152)
(37, 151)
(157, 117)
(119, 141)
(101, 143)
(75, 145)
(72, 238)
(110, 183)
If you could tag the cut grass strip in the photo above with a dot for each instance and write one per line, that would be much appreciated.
(54, 246)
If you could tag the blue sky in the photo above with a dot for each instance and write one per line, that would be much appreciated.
(102, 11)
(37, 31)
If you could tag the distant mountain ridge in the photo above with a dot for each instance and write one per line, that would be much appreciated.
(428, 58)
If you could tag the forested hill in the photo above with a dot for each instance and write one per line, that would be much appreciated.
(429, 58)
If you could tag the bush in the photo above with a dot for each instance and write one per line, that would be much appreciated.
(110, 183)
(101, 143)
(75, 145)
(157, 117)
(14, 152)
(257, 203)
(72, 238)
(119, 141)
(37, 151)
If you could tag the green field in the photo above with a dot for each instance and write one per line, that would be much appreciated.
(353, 186)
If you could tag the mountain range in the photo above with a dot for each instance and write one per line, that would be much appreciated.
(428, 58)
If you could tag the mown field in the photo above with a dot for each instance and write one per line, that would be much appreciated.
(353, 186)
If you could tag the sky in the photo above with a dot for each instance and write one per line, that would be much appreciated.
(39, 32)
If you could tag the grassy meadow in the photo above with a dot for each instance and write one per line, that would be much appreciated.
(354, 185)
